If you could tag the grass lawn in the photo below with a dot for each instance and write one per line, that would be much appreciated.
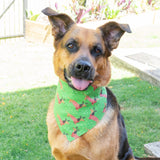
(23, 128)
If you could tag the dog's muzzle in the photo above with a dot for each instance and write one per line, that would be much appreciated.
(81, 69)
(80, 74)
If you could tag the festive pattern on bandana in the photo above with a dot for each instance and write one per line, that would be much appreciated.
(77, 112)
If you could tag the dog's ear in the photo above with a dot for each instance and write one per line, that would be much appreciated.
(60, 22)
(112, 33)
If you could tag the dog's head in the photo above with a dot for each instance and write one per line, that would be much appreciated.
(81, 54)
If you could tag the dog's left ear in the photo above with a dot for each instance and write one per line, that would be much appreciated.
(60, 22)
(112, 33)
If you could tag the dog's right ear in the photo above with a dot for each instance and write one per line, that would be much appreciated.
(60, 22)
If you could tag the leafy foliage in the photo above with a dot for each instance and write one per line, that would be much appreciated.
(31, 16)
(86, 10)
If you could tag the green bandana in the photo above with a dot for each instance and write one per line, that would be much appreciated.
(76, 112)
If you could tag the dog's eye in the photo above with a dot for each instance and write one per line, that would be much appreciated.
(72, 47)
(96, 51)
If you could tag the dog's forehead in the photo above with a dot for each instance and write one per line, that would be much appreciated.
(84, 34)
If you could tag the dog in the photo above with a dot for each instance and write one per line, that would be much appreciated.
(84, 120)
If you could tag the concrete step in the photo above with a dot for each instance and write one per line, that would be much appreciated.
(153, 149)
(145, 62)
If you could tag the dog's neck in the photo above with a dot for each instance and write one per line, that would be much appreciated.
(77, 112)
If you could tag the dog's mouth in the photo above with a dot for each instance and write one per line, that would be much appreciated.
(77, 83)
(80, 84)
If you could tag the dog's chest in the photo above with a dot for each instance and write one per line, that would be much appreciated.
(101, 142)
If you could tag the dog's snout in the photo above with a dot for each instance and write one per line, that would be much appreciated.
(82, 66)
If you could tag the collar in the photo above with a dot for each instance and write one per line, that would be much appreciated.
(77, 112)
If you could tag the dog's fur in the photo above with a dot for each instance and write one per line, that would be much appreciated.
(108, 139)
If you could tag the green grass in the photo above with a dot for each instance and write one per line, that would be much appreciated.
(140, 106)
(23, 129)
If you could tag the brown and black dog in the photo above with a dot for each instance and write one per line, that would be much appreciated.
(84, 54)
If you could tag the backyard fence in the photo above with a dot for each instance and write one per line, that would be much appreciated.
(13, 14)
(12, 19)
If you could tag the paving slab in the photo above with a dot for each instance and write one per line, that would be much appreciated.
(145, 62)
(153, 149)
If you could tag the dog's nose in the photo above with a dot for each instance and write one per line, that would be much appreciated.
(82, 66)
